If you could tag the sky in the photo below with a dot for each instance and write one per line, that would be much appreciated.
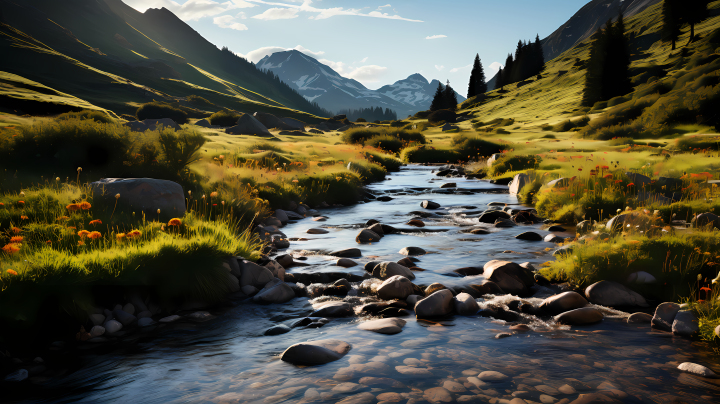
(376, 42)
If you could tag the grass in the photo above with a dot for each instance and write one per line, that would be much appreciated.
(160, 110)
(224, 118)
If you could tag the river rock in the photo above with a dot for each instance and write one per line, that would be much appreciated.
(126, 319)
(434, 287)
(585, 315)
(277, 269)
(465, 305)
(529, 236)
(485, 288)
(584, 227)
(491, 216)
(275, 291)
(412, 251)
(613, 294)
(395, 287)
(448, 185)
(551, 238)
(640, 318)
(96, 319)
(141, 195)
(281, 216)
(145, 322)
(277, 330)
(112, 326)
(437, 395)
(347, 253)
(317, 230)
(665, 315)
(386, 269)
(169, 319)
(436, 305)
(378, 229)
(416, 223)
(698, 370)
(17, 376)
(429, 205)
(686, 324)
(407, 262)
(492, 376)
(254, 275)
(367, 236)
(346, 263)
(360, 398)
(509, 276)
(384, 325)
(641, 277)
(412, 300)
(518, 183)
(249, 290)
(316, 352)
(563, 302)
(97, 331)
(333, 309)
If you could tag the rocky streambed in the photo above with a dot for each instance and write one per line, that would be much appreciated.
(403, 300)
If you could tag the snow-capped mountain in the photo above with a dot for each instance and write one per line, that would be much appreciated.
(320, 83)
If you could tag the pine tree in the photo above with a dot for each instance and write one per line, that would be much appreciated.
(592, 91)
(694, 12)
(451, 101)
(671, 13)
(438, 101)
(499, 84)
(477, 84)
(539, 55)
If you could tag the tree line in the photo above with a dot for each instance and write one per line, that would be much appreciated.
(528, 61)
(370, 114)
(678, 13)
(444, 98)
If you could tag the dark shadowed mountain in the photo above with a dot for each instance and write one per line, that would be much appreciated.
(321, 84)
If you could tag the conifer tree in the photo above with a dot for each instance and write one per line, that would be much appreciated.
(539, 55)
(671, 13)
(451, 101)
(477, 84)
(592, 91)
(694, 12)
(499, 83)
(438, 101)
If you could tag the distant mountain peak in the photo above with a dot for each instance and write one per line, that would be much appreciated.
(417, 77)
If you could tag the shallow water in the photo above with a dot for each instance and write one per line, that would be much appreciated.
(227, 360)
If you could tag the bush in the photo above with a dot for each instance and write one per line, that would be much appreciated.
(442, 115)
(361, 120)
(474, 147)
(620, 141)
(199, 101)
(564, 126)
(160, 110)
(180, 149)
(390, 163)
(97, 116)
(397, 124)
(698, 143)
(362, 135)
(422, 115)
(514, 163)
(386, 142)
(425, 154)
(224, 118)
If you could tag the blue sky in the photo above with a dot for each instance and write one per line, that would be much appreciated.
(376, 42)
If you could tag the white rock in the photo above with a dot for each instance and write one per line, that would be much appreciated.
(97, 319)
(112, 326)
(384, 325)
(97, 331)
(696, 369)
(170, 319)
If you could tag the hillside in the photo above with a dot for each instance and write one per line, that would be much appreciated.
(319, 83)
(110, 55)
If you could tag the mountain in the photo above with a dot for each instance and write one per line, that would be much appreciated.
(114, 57)
(319, 83)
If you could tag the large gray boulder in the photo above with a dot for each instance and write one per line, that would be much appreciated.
(518, 183)
(254, 275)
(465, 305)
(276, 291)
(387, 269)
(665, 315)
(248, 125)
(395, 287)
(437, 304)
(613, 294)
(294, 124)
(510, 277)
(140, 195)
(316, 352)
(686, 324)
(271, 121)
(563, 302)
(585, 315)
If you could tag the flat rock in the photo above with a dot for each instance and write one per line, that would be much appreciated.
(316, 352)
(360, 398)
(492, 376)
(699, 370)
(347, 253)
(640, 318)
(437, 395)
(412, 251)
(346, 263)
(529, 236)
(613, 294)
(317, 230)
(585, 315)
(416, 223)
(413, 371)
(333, 309)
(384, 325)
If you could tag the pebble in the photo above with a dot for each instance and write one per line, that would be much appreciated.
(502, 335)
(317, 231)
(144, 322)
(170, 319)
(492, 376)
(438, 395)
(454, 387)
(413, 371)
(97, 331)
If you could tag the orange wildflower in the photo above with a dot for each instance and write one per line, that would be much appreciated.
(11, 272)
(134, 234)
(24, 217)
(21, 204)
(11, 248)
(81, 243)
(73, 207)
(632, 184)
(213, 194)
(61, 218)
(83, 233)
(17, 239)
(120, 236)
(94, 235)
(85, 205)
(15, 230)
(95, 222)
(175, 222)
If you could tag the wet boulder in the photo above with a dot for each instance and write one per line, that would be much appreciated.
(686, 324)
(377, 228)
(613, 294)
(552, 238)
(529, 236)
(639, 318)
(140, 195)
(563, 302)
(698, 370)
(387, 269)
(347, 253)
(429, 205)
(438, 395)
(665, 315)
(316, 352)
(333, 309)
(254, 275)
(468, 271)
(582, 316)
(518, 183)
(491, 216)
(277, 330)
(434, 287)
(384, 326)
(395, 287)
(346, 263)
(367, 236)
(484, 288)
(407, 262)
(465, 305)
(416, 223)
(504, 223)
(412, 251)
(510, 277)
(437, 304)
(276, 291)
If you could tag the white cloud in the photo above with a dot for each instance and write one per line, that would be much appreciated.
(494, 67)
(364, 74)
(439, 68)
(339, 67)
(324, 13)
(457, 69)
(257, 54)
(364, 59)
(191, 9)
(381, 7)
(228, 21)
(436, 36)
(277, 14)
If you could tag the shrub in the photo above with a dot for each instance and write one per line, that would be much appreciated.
(361, 120)
(698, 143)
(442, 115)
(199, 101)
(564, 126)
(474, 147)
(422, 115)
(180, 149)
(397, 124)
(386, 142)
(514, 163)
(224, 118)
(97, 116)
(362, 135)
(390, 163)
(620, 141)
(160, 110)
(425, 154)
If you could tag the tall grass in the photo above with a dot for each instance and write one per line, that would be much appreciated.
(161, 110)
(224, 118)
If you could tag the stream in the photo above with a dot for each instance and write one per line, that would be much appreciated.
(228, 360)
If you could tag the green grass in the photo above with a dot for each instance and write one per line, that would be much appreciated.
(428, 154)
(363, 135)
(513, 163)
(224, 118)
(160, 110)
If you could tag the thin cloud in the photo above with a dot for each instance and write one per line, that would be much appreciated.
(228, 21)
(277, 14)
(439, 68)
(324, 13)
(457, 69)
(436, 36)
